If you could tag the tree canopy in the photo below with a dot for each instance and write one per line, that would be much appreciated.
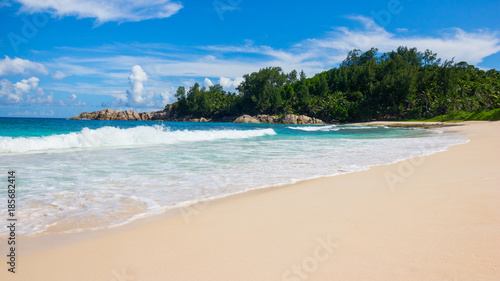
(400, 84)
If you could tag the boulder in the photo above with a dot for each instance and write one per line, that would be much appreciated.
(318, 121)
(145, 116)
(302, 119)
(246, 119)
(159, 115)
(132, 115)
(86, 115)
(120, 115)
(267, 119)
(108, 114)
(289, 119)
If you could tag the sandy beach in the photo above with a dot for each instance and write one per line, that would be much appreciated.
(430, 218)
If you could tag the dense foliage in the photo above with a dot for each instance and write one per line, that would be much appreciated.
(401, 84)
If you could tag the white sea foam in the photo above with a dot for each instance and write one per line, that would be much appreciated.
(106, 137)
(316, 128)
(360, 127)
(330, 128)
(77, 189)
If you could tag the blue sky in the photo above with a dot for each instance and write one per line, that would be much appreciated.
(61, 57)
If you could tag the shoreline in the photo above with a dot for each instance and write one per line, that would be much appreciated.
(245, 208)
(137, 218)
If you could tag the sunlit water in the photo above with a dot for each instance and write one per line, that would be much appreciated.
(86, 174)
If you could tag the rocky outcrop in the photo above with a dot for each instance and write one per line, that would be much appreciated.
(300, 120)
(202, 119)
(246, 119)
(267, 119)
(167, 115)
(128, 115)
(287, 119)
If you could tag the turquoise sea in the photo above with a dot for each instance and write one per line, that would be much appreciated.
(87, 174)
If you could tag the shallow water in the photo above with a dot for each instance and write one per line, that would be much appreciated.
(86, 174)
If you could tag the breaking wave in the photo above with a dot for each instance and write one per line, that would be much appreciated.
(115, 137)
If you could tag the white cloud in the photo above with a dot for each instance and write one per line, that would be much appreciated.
(59, 75)
(104, 11)
(106, 68)
(135, 96)
(32, 113)
(317, 54)
(207, 82)
(14, 66)
(230, 85)
(71, 98)
(8, 93)
(456, 43)
(26, 85)
(27, 91)
(167, 96)
(40, 97)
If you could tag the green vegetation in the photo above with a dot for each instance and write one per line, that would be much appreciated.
(397, 85)
(492, 115)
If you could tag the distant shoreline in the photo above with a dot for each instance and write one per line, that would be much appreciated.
(165, 115)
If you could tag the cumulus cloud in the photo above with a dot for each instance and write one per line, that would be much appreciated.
(140, 98)
(166, 97)
(15, 66)
(207, 82)
(26, 85)
(104, 11)
(136, 95)
(40, 97)
(9, 93)
(227, 83)
(27, 91)
(230, 85)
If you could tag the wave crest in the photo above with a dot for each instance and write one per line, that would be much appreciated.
(316, 128)
(116, 137)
